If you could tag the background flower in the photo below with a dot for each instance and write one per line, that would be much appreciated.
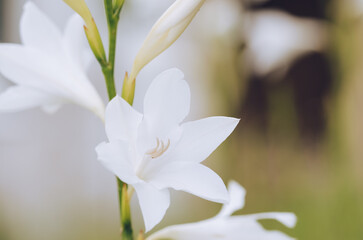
(48, 69)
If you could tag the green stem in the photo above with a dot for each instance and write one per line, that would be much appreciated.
(119, 189)
(108, 71)
(112, 45)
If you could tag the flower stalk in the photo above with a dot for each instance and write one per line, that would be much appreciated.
(113, 9)
(113, 16)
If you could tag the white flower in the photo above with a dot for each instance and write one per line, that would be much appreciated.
(154, 151)
(48, 68)
(227, 227)
(165, 32)
(275, 38)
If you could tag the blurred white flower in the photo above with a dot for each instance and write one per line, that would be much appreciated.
(275, 38)
(48, 69)
(356, 6)
(165, 32)
(154, 151)
(227, 227)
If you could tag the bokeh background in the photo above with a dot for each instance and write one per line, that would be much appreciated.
(290, 69)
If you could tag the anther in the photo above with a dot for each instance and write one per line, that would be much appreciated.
(159, 149)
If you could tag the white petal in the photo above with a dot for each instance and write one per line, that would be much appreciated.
(200, 138)
(29, 67)
(19, 98)
(122, 120)
(115, 156)
(76, 42)
(190, 177)
(166, 103)
(288, 219)
(153, 203)
(232, 228)
(38, 31)
(237, 199)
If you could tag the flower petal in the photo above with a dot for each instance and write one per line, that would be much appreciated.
(29, 67)
(190, 177)
(153, 203)
(122, 120)
(166, 103)
(32, 68)
(115, 156)
(200, 138)
(237, 199)
(19, 98)
(231, 228)
(288, 219)
(38, 31)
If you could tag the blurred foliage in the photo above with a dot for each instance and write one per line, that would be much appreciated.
(318, 179)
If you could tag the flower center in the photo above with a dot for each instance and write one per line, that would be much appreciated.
(159, 149)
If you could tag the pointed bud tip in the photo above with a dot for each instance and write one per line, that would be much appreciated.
(141, 235)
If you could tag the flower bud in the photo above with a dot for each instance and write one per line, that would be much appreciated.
(128, 89)
(141, 236)
(165, 32)
(117, 5)
(125, 206)
(93, 36)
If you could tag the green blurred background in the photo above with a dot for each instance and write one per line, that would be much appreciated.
(290, 69)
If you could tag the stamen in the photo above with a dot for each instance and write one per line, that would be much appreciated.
(153, 151)
(158, 150)
(167, 146)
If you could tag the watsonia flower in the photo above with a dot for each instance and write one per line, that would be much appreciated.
(48, 68)
(155, 151)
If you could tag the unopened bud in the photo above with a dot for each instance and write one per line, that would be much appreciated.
(92, 33)
(166, 31)
(125, 206)
(128, 89)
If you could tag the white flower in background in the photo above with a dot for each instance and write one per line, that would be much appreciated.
(275, 38)
(48, 68)
(227, 227)
(154, 152)
(355, 7)
(165, 32)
